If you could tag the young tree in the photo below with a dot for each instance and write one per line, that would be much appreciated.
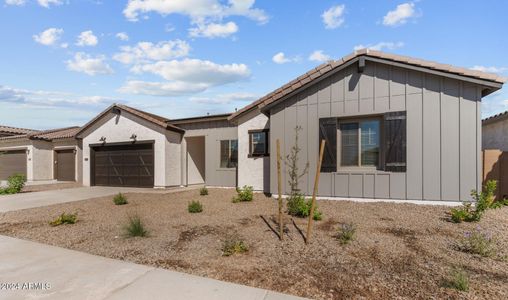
(291, 163)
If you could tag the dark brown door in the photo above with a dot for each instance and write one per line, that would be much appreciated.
(123, 165)
(12, 162)
(65, 168)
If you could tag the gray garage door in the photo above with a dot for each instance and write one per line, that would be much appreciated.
(123, 165)
(65, 165)
(12, 162)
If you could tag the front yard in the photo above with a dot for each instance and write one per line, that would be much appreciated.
(399, 250)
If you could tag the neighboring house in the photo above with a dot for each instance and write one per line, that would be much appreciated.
(10, 131)
(395, 127)
(495, 132)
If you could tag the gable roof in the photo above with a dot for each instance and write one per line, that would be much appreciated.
(199, 119)
(495, 118)
(492, 80)
(15, 130)
(152, 118)
(46, 135)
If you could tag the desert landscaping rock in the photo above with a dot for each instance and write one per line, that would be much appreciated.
(399, 251)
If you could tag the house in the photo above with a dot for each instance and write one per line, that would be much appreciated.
(395, 127)
(495, 132)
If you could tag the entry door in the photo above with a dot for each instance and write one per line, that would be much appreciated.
(123, 165)
(65, 168)
(12, 162)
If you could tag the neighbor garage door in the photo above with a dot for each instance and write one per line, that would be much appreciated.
(12, 162)
(123, 165)
(65, 165)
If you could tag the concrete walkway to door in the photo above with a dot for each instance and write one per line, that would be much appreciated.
(57, 273)
(37, 199)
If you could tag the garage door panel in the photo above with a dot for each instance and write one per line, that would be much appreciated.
(12, 162)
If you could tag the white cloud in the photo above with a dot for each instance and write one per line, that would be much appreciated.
(197, 10)
(146, 51)
(495, 103)
(334, 16)
(281, 58)
(49, 98)
(319, 56)
(15, 2)
(490, 69)
(88, 64)
(48, 37)
(87, 38)
(47, 3)
(400, 15)
(380, 46)
(225, 98)
(213, 30)
(122, 36)
(166, 89)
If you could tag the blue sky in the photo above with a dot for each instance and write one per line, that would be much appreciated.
(63, 61)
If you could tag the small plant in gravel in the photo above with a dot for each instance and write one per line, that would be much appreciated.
(478, 242)
(346, 233)
(233, 245)
(458, 280)
(120, 199)
(135, 227)
(15, 184)
(482, 201)
(203, 191)
(195, 207)
(299, 207)
(244, 194)
(64, 219)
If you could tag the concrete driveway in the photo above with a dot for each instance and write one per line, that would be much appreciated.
(30, 270)
(37, 199)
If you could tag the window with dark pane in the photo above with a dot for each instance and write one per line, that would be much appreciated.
(370, 143)
(360, 143)
(258, 142)
(349, 143)
(228, 153)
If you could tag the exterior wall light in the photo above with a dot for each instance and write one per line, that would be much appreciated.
(133, 137)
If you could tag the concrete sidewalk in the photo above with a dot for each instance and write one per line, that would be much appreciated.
(70, 274)
(37, 199)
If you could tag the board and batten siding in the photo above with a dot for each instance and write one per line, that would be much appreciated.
(443, 132)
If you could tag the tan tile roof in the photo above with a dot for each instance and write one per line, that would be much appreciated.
(207, 118)
(15, 130)
(331, 65)
(47, 135)
(495, 118)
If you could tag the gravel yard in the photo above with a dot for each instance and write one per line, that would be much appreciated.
(400, 250)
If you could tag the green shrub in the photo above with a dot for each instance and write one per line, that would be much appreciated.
(458, 280)
(64, 219)
(478, 242)
(233, 245)
(483, 201)
(195, 207)
(135, 227)
(120, 199)
(299, 207)
(15, 184)
(244, 194)
(346, 233)
(203, 191)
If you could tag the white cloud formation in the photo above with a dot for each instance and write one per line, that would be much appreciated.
(334, 16)
(380, 46)
(88, 64)
(144, 52)
(495, 103)
(490, 69)
(15, 2)
(225, 98)
(122, 36)
(400, 14)
(49, 98)
(213, 30)
(196, 9)
(319, 56)
(87, 38)
(281, 58)
(47, 3)
(166, 89)
(48, 37)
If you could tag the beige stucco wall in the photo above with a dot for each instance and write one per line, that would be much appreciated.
(253, 171)
(42, 160)
(495, 135)
(119, 129)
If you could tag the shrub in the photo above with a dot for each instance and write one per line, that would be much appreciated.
(244, 194)
(483, 201)
(346, 233)
(233, 245)
(64, 219)
(458, 280)
(478, 242)
(203, 191)
(15, 184)
(135, 227)
(299, 207)
(120, 199)
(195, 207)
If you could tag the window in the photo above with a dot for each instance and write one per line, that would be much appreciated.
(228, 153)
(258, 143)
(360, 143)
